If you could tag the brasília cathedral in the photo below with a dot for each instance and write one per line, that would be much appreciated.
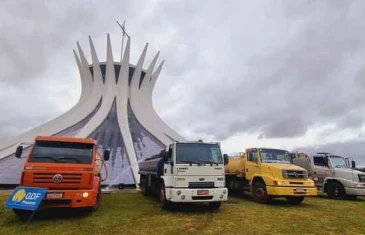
(115, 108)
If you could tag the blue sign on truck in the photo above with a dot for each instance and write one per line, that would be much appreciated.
(26, 198)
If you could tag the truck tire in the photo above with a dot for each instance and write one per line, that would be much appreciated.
(214, 205)
(164, 203)
(23, 214)
(259, 192)
(336, 191)
(294, 200)
(143, 185)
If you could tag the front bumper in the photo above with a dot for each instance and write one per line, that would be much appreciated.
(70, 199)
(191, 195)
(291, 191)
(358, 191)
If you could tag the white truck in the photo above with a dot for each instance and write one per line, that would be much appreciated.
(187, 172)
(333, 174)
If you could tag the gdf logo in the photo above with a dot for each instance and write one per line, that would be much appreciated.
(20, 195)
(32, 196)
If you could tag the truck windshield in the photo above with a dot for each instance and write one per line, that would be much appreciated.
(62, 152)
(198, 153)
(275, 156)
(337, 161)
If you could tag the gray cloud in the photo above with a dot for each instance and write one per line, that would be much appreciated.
(310, 76)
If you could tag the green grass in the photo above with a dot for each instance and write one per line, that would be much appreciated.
(132, 213)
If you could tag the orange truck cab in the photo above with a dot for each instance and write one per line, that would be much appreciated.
(69, 168)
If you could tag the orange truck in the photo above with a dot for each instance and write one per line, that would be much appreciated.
(69, 168)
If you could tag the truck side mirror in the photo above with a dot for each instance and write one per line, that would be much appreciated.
(106, 155)
(225, 158)
(165, 157)
(19, 151)
(353, 164)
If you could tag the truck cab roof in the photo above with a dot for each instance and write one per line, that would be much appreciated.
(66, 139)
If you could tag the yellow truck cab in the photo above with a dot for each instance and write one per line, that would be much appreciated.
(268, 173)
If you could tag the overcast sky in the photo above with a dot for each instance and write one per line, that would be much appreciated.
(285, 74)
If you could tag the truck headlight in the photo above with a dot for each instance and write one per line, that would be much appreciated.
(224, 191)
(178, 192)
(85, 194)
(180, 179)
(220, 178)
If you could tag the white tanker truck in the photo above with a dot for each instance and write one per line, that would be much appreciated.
(187, 172)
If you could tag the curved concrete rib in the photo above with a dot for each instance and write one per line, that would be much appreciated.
(122, 104)
(108, 89)
(138, 95)
(60, 123)
(138, 71)
(151, 112)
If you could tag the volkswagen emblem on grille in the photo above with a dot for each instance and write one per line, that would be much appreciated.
(201, 179)
(296, 175)
(57, 178)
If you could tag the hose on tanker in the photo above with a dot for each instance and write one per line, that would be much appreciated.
(106, 168)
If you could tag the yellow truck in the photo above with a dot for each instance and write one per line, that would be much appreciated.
(268, 173)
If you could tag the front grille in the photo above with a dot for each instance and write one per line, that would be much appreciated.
(56, 202)
(201, 184)
(362, 178)
(67, 178)
(290, 174)
(202, 197)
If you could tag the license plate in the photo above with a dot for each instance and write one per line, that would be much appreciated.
(203, 192)
(54, 195)
(300, 190)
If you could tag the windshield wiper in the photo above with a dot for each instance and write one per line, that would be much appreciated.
(48, 157)
(208, 162)
(186, 161)
(57, 159)
(72, 158)
(340, 166)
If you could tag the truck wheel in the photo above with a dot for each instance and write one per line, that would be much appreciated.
(164, 203)
(214, 205)
(294, 200)
(143, 185)
(335, 190)
(259, 192)
(23, 214)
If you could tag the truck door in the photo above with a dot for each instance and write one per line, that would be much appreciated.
(252, 164)
(321, 169)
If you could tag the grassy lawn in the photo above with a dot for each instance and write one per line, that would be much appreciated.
(132, 213)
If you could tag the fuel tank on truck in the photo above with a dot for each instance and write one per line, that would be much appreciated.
(154, 164)
(236, 165)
